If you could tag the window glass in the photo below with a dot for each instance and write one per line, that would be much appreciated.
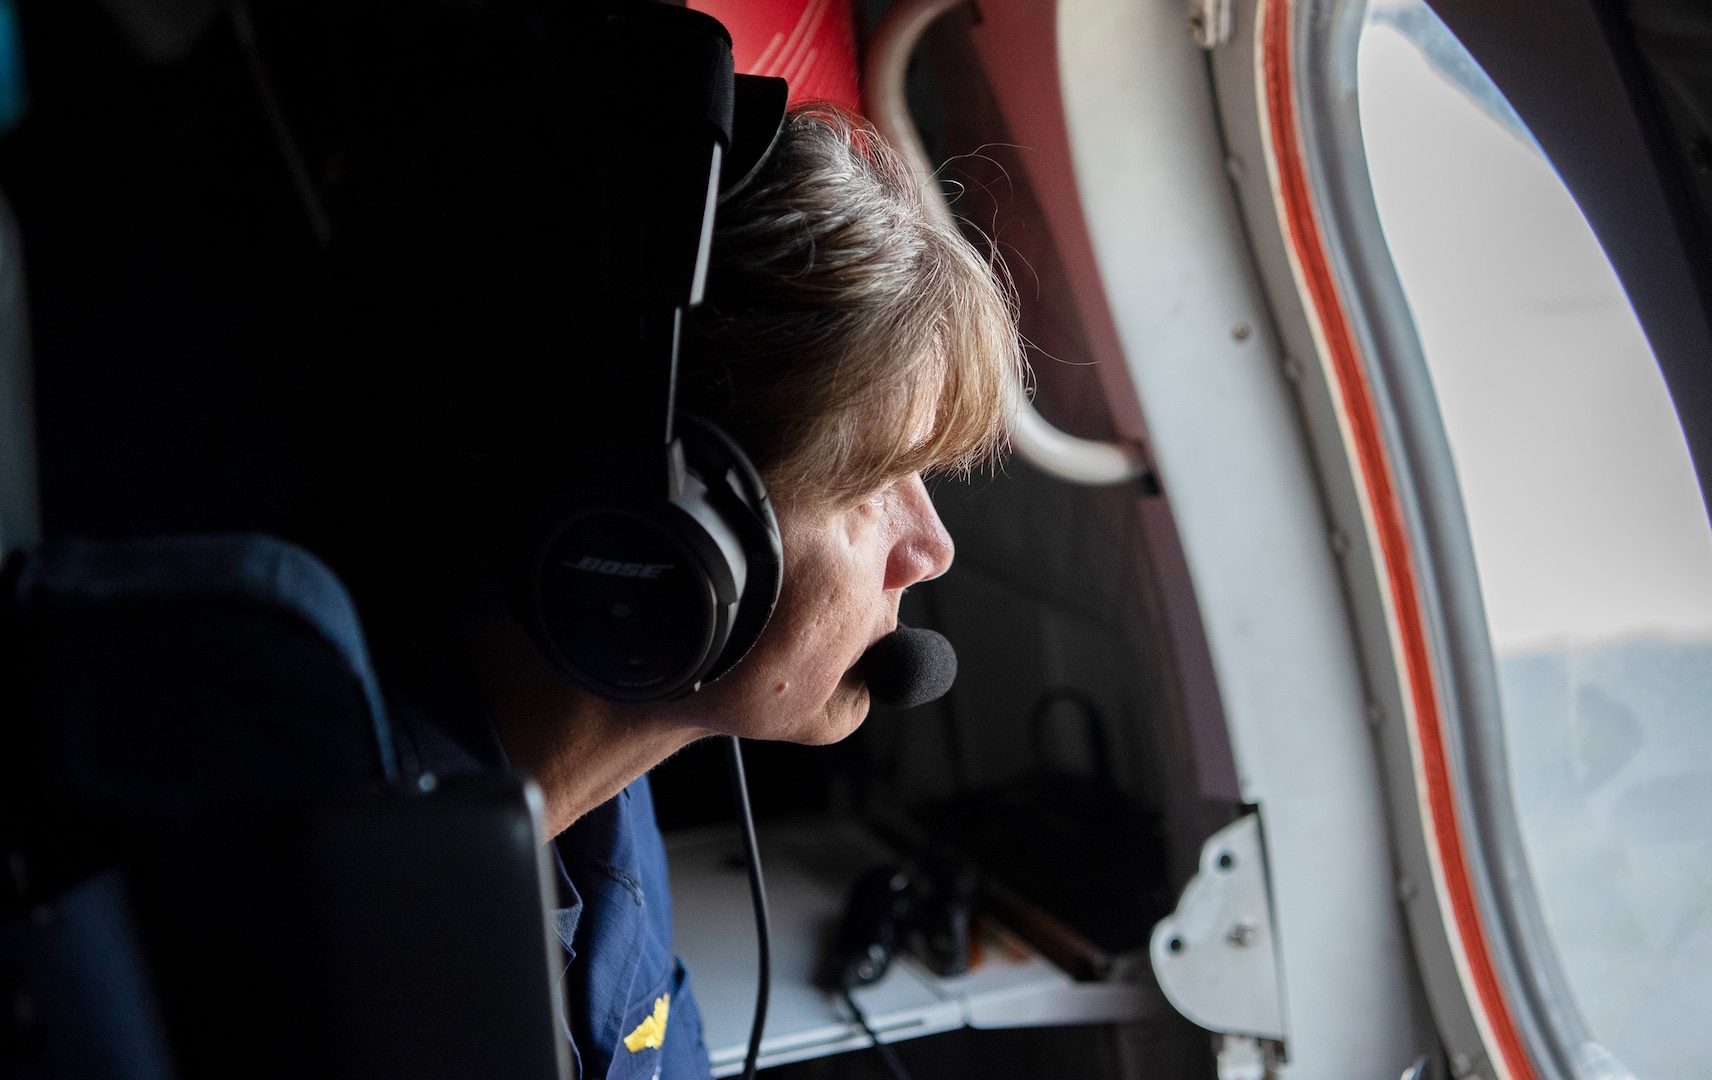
(1591, 538)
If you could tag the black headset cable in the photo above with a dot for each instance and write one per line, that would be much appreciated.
(887, 1054)
(757, 896)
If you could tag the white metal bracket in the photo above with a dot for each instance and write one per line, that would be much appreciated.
(1241, 1057)
(1214, 956)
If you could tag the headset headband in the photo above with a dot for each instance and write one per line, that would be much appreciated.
(662, 573)
(676, 129)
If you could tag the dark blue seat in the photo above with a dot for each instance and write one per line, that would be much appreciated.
(216, 868)
(201, 674)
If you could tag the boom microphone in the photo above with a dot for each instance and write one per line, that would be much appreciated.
(909, 667)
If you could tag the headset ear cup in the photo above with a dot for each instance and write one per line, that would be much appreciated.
(632, 600)
(645, 599)
(735, 490)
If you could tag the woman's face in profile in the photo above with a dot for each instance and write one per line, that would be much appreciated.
(846, 567)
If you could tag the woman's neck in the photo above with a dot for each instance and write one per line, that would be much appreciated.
(581, 749)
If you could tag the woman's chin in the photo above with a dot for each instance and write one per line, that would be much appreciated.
(842, 714)
(789, 718)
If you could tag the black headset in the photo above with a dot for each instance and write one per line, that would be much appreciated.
(660, 573)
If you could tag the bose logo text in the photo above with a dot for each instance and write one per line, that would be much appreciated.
(597, 565)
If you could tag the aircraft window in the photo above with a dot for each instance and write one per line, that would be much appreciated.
(1589, 532)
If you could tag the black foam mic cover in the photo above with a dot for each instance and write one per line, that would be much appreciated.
(909, 667)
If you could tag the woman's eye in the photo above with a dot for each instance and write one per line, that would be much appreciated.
(877, 498)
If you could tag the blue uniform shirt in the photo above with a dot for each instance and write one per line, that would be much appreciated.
(629, 1002)
(629, 1009)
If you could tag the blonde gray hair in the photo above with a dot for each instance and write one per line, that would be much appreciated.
(848, 337)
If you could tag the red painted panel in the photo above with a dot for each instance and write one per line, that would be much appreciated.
(811, 44)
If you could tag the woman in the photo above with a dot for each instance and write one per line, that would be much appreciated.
(850, 345)
(847, 342)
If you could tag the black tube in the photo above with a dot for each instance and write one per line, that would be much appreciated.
(887, 1054)
(757, 896)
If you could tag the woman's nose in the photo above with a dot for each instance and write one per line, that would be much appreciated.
(922, 549)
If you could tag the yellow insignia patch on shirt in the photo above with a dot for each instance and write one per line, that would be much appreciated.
(650, 1033)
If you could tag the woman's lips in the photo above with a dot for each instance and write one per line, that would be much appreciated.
(857, 669)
